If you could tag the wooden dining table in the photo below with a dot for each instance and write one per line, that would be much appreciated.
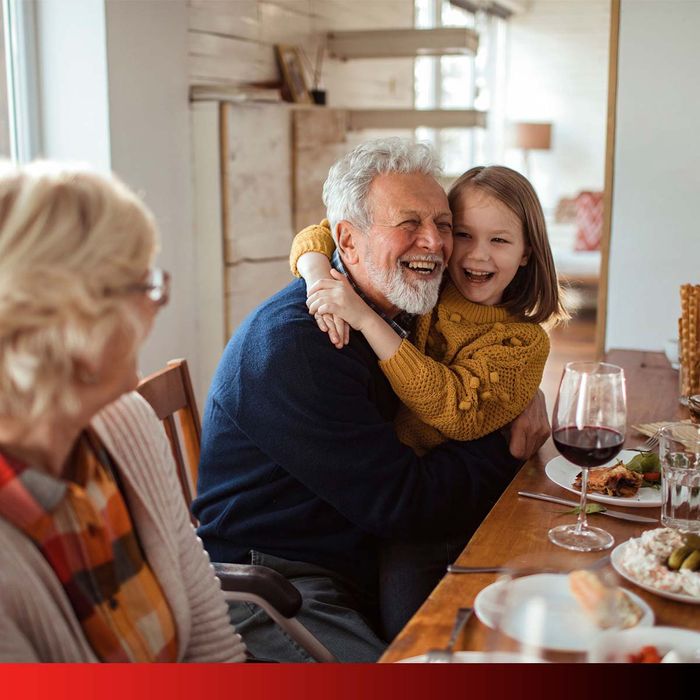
(517, 527)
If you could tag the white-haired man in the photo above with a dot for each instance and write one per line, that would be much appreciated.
(301, 469)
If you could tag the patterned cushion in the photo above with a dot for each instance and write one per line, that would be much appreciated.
(589, 220)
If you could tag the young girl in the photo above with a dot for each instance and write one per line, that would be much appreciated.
(477, 360)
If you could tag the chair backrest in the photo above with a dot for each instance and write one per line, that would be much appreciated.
(169, 391)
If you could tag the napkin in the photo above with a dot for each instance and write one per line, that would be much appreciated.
(651, 429)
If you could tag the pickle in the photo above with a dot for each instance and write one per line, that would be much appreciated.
(678, 556)
(692, 562)
(692, 540)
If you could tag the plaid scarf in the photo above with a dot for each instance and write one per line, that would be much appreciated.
(82, 527)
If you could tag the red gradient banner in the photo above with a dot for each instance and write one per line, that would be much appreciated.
(257, 681)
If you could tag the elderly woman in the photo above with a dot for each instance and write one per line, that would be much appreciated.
(98, 560)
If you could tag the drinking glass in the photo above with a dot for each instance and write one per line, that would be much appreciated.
(533, 615)
(588, 428)
(679, 453)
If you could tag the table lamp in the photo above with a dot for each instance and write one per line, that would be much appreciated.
(530, 136)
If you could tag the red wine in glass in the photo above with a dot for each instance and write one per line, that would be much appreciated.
(588, 427)
(588, 446)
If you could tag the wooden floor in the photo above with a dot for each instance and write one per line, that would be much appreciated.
(572, 342)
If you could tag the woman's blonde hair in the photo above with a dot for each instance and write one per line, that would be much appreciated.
(67, 237)
(534, 293)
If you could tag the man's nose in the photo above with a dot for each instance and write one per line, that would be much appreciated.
(431, 239)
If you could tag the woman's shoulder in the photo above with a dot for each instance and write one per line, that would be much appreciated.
(129, 426)
(130, 407)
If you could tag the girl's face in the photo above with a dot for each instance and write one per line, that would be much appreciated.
(489, 247)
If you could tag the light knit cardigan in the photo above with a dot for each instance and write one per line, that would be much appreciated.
(37, 622)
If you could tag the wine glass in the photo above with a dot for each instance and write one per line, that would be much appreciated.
(533, 615)
(588, 429)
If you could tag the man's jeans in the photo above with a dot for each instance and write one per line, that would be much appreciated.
(331, 611)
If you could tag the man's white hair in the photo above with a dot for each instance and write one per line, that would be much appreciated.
(346, 189)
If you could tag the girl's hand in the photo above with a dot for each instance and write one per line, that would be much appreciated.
(338, 331)
(337, 297)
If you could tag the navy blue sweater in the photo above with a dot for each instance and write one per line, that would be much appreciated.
(300, 459)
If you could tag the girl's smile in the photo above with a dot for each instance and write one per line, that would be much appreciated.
(489, 247)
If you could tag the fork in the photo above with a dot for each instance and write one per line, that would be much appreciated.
(445, 655)
(651, 443)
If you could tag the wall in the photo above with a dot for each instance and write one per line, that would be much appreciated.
(557, 72)
(270, 174)
(655, 241)
(108, 98)
(74, 122)
(232, 42)
(150, 150)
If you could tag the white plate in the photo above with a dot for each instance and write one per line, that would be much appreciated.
(616, 560)
(478, 657)
(562, 472)
(568, 628)
(616, 645)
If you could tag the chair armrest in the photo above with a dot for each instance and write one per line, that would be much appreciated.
(260, 581)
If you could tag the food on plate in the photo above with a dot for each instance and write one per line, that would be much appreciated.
(624, 480)
(648, 560)
(692, 561)
(648, 465)
(684, 557)
(646, 655)
(608, 606)
(612, 481)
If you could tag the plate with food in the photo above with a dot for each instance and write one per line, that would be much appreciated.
(559, 612)
(633, 479)
(647, 645)
(478, 657)
(661, 561)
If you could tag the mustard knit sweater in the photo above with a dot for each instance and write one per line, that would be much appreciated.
(471, 369)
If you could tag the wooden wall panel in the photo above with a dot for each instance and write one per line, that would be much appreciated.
(218, 59)
(250, 283)
(257, 183)
(238, 19)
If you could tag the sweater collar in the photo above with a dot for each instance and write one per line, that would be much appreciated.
(453, 300)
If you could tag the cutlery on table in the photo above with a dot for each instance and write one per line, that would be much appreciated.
(445, 655)
(612, 513)
(457, 569)
(651, 444)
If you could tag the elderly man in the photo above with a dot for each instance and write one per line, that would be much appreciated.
(301, 469)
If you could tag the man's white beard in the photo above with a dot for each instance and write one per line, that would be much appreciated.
(414, 296)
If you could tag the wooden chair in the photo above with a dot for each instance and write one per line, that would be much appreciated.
(169, 392)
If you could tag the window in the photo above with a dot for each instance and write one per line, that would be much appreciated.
(463, 82)
(18, 90)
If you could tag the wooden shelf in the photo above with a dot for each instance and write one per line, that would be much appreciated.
(359, 119)
(395, 43)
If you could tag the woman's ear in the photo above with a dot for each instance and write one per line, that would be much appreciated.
(526, 257)
(348, 241)
(85, 371)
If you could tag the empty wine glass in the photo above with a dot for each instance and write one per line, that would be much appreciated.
(548, 608)
(588, 429)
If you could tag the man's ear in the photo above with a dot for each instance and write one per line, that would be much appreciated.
(349, 242)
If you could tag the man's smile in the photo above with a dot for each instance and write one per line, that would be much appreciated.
(425, 266)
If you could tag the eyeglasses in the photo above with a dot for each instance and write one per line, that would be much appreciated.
(156, 286)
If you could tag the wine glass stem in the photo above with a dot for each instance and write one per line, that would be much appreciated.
(582, 522)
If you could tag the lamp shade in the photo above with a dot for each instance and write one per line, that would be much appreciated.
(530, 136)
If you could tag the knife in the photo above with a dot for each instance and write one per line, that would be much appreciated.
(612, 513)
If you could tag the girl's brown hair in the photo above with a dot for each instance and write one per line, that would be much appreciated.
(534, 293)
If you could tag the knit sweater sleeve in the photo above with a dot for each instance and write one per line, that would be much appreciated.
(210, 637)
(312, 239)
(14, 646)
(488, 383)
